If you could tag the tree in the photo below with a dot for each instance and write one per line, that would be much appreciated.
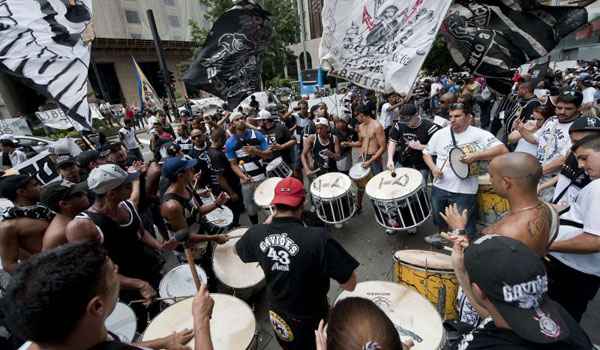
(285, 31)
(439, 60)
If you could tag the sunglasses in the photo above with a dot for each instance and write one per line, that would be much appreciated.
(455, 106)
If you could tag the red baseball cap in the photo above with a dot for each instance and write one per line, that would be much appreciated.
(289, 191)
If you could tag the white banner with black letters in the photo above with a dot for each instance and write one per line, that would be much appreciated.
(14, 126)
(378, 44)
(40, 166)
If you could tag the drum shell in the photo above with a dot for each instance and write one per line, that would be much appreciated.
(177, 271)
(491, 206)
(428, 283)
(361, 182)
(213, 228)
(406, 212)
(335, 210)
(278, 168)
(242, 293)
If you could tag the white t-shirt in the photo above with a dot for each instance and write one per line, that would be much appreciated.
(584, 211)
(435, 89)
(553, 140)
(128, 137)
(387, 116)
(588, 95)
(471, 140)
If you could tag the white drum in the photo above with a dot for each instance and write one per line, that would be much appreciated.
(399, 202)
(264, 193)
(179, 283)
(360, 175)
(235, 276)
(278, 168)
(232, 326)
(122, 323)
(219, 220)
(413, 315)
(334, 197)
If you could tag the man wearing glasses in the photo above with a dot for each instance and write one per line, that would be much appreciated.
(479, 145)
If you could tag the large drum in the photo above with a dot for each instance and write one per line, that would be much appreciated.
(334, 197)
(414, 317)
(360, 175)
(492, 207)
(400, 202)
(179, 283)
(232, 326)
(234, 276)
(278, 168)
(264, 193)
(122, 323)
(432, 275)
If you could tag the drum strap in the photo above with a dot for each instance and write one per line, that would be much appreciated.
(561, 194)
(567, 222)
(453, 138)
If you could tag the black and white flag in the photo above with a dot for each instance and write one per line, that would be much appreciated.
(230, 63)
(47, 43)
(379, 44)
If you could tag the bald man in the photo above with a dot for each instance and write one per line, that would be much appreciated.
(516, 176)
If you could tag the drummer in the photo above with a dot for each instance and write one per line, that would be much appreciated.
(297, 282)
(278, 136)
(246, 149)
(447, 187)
(78, 283)
(346, 136)
(321, 149)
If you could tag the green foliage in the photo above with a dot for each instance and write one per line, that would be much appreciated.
(278, 82)
(285, 31)
(439, 59)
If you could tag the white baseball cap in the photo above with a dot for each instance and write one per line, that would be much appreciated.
(107, 177)
(263, 115)
(235, 115)
(321, 121)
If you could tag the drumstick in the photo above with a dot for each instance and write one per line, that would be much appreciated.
(442, 168)
(140, 301)
(190, 260)
(235, 236)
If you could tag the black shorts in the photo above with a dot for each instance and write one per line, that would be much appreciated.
(295, 333)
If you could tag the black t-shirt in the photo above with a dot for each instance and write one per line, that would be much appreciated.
(279, 134)
(489, 337)
(219, 166)
(401, 134)
(298, 262)
(350, 135)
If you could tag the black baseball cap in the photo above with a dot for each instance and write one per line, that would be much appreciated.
(10, 184)
(63, 160)
(585, 124)
(86, 157)
(514, 279)
(571, 96)
(407, 110)
(59, 191)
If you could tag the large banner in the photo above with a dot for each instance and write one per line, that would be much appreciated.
(230, 63)
(57, 119)
(379, 45)
(47, 44)
(40, 166)
(14, 126)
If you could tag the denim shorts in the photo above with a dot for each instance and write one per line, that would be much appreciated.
(440, 199)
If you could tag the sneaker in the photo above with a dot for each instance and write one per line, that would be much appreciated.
(412, 231)
(391, 232)
(338, 226)
(437, 241)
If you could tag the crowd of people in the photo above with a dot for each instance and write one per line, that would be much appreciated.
(103, 229)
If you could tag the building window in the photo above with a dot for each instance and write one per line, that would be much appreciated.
(132, 17)
(169, 2)
(314, 15)
(174, 21)
(135, 36)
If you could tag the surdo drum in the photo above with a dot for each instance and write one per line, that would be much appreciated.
(360, 175)
(219, 220)
(413, 316)
(400, 202)
(235, 276)
(492, 207)
(232, 326)
(432, 275)
(122, 322)
(179, 283)
(334, 197)
(278, 168)
(264, 193)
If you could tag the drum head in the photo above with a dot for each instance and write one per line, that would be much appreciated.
(230, 269)
(232, 325)
(122, 322)
(385, 187)
(460, 169)
(331, 185)
(357, 171)
(413, 315)
(274, 163)
(264, 193)
(179, 282)
(425, 259)
(221, 217)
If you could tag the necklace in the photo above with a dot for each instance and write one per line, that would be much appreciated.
(526, 208)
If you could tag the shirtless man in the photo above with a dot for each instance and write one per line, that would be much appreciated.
(514, 176)
(371, 140)
(66, 200)
(22, 226)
